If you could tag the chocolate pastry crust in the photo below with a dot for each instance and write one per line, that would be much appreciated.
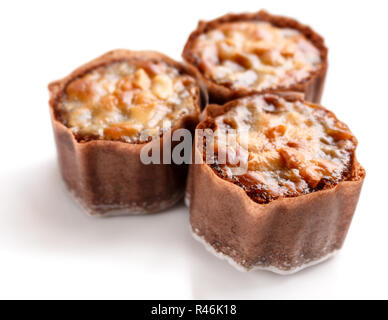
(283, 235)
(108, 177)
(311, 87)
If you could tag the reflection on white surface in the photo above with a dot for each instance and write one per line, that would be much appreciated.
(215, 278)
(43, 223)
(49, 248)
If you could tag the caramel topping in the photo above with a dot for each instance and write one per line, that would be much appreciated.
(255, 55)
(128, 101)
(293, 148)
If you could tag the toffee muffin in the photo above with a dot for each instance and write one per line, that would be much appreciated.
(241, 54)
(287, 184)
(105, 112)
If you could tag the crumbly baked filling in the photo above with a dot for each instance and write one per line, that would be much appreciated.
(255, 55)
(289, 147)
(130, 101)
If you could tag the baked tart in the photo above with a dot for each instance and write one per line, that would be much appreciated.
(105, 112)
(286, 186)
(241, 54)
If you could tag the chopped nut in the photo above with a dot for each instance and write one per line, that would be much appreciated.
(288, 50)
(231, 123)
(299, 64)
(80, 117)
(292, 175)
(294, 118)
(292, 157)
(276, 131)
(225, 52)
(296, 144)
(268, 160)
(124, 99)
(272, 101)
(162, 86)
(101, 116)
(272, 57)
(109, 102)
(144, 97)
(142, 113)
(243, 60)
(339, 134)
(254, 176)
(125, 84)
(142, 80)
(186, 80)
(118, 130)
(81, 89)
(152, 69)
(263, 120)
(259, 47)
(328, 166)
(312, 175)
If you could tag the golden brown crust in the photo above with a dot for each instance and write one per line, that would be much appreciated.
(108, 177)
(213, 111)
(312, 87)
(57, 88)
(285, 234)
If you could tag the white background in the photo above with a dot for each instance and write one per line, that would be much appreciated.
(50, 249)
